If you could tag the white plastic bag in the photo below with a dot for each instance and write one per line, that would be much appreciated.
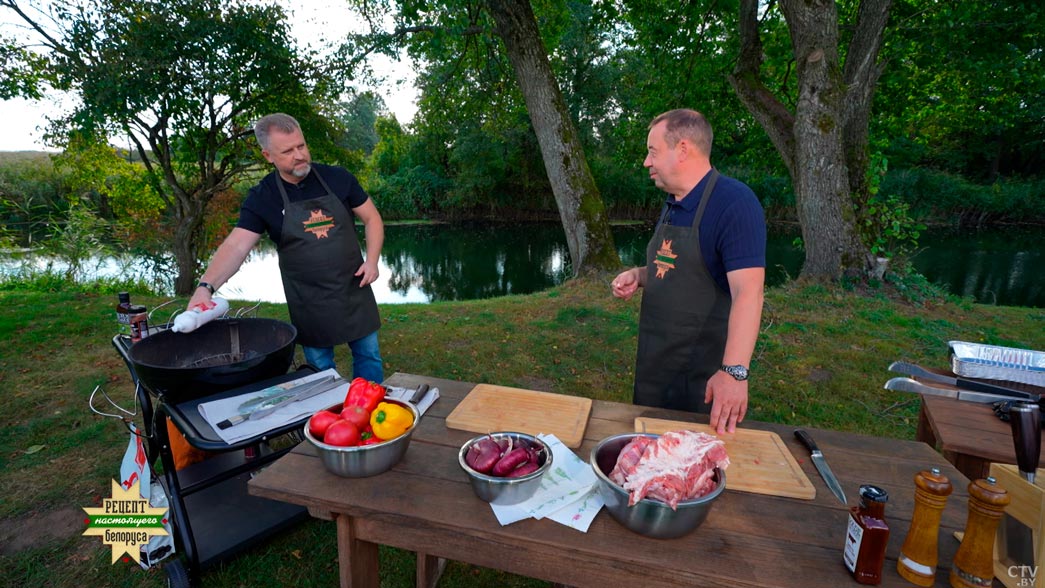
(135, 468)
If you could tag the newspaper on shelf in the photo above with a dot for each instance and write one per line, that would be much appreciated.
(221, 410)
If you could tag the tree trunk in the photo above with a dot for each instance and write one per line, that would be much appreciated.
(580, 204)
(824, 141)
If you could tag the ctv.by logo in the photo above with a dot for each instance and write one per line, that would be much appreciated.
(1025, 574)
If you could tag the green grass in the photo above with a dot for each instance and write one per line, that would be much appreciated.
(820, 361)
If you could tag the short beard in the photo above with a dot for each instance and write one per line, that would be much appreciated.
(301, 173)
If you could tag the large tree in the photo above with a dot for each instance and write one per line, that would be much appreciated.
(819, 125)
(580, 204)
(453, 36)
(182, 80)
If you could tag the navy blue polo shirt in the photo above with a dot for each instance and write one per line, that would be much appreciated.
(732, 231)
(263, 208)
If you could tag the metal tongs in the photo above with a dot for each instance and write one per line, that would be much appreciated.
(295, 394)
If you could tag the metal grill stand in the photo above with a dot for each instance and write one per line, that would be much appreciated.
(213, 516)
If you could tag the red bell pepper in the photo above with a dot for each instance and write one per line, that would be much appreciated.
(365, 394)
(368, 437)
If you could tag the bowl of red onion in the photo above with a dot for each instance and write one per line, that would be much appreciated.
(505, 467)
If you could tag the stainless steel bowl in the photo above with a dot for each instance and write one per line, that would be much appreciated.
(651, 518)
(502, 491)
(365, 460)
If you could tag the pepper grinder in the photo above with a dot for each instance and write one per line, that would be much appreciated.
(974, 563)
(918, 556)
(1025, 418)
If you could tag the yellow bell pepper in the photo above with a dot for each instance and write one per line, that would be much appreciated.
(390, 420)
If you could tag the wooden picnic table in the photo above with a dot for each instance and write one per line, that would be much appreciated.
(426, 505)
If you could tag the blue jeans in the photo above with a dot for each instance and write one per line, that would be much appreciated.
(366, 358)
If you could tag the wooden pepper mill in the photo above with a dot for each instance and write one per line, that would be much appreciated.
(974, 563)
(918, 556)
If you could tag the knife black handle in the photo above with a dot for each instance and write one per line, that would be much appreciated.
(806, 440)
(419, 394)
(975, 386)
(1025, 419)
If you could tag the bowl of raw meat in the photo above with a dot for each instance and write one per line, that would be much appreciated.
(660, 486)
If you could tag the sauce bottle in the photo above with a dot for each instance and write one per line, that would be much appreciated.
(139, 321)
(123, 313)
(867, 536)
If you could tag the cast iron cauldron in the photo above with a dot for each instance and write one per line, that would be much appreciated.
(221, 355)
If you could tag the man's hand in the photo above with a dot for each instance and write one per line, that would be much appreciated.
(200, 297)
(728, 399)
(369, 272)
(626, 283)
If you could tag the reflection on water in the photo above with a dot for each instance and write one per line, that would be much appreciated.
(427, 263)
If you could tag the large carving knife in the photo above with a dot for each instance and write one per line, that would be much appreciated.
(909, 385)
(821, 465)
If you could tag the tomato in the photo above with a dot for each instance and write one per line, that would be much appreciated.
(357, 415)
(342, 433)
(320, 422)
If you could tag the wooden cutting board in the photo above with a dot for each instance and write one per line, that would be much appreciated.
(488, 408)
(759, 460)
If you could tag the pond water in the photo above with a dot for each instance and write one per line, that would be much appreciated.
(426, 263)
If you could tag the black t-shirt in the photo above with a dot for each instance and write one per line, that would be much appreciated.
(263, 209)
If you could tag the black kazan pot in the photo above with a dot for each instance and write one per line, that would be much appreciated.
(220, 355)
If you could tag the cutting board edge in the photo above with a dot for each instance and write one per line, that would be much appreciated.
(804, 490)
(458, 419)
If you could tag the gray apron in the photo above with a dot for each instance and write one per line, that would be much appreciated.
(318, 256)
(683, 320)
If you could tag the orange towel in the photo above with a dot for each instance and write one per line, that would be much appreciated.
(184, 454)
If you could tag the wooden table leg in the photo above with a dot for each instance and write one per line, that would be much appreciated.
(357, 560)
(429, 569)
(925, 431)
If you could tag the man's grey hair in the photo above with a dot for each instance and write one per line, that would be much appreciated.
(688, 124)
(282, 122)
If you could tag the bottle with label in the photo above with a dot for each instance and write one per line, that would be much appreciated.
(867, 536)
(123, 314)
(139, 321)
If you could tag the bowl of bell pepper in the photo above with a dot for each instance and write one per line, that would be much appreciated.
(365, 435)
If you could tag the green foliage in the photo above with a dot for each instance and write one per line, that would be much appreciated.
(76, 240)
(183, 80)
(21, 71)
(962, 89)
(31, 195)
(951, 198)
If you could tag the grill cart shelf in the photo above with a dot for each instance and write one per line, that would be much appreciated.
(213, 516)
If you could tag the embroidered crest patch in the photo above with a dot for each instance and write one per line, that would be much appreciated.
(319, 224)
(665, 259)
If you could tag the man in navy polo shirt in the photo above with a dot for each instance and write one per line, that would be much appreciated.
(703, 279)
(309, 211)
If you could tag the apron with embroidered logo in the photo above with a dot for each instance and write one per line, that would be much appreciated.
(319, 254)
(683, 319)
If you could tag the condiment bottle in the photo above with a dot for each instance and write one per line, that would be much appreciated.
(139, 323)
(918, 556)
(123, 313)
(973, 565)
(867, 536)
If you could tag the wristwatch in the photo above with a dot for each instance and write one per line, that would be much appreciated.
(207, 286)
(738, 372)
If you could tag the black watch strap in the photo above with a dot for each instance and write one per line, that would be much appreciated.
(207, 286)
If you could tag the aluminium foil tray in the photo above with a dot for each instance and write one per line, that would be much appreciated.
(993, 362)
